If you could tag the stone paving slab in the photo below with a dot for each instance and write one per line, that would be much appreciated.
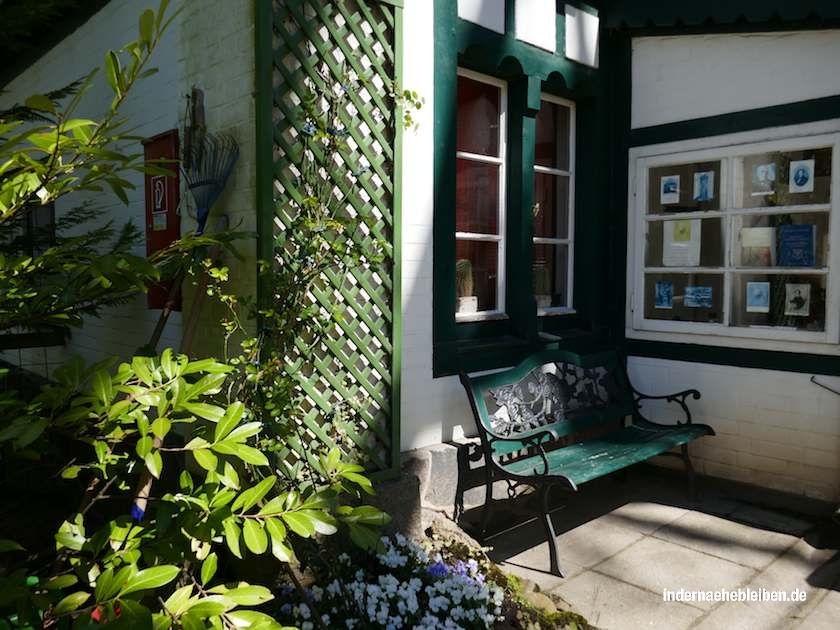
(615, 605)
(742, 616)
(622, 544)
(790, 571)
(644, 517)
(656, 565)
(772, 519)
(825, 614)
(751, 546)
(580, 548)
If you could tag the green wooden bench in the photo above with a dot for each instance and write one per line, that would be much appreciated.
(561, 419)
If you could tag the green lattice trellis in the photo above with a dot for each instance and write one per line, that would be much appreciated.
(358, 359)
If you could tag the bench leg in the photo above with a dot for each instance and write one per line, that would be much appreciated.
(689, 471)
(488, 500)
(550, 535)
(463, 469)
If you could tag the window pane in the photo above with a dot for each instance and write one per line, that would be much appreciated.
(476, 197)
(476, 276)
(553, 126)
(781, 240)
(684, 188)
(685, 243)
(550, 275)
(790, 301)
(551, 205)
(685, 297)
(789, 178)
(479, 106)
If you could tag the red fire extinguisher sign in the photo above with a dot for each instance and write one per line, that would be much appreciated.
(163, 224)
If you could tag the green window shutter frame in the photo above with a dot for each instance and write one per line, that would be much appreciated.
(529, 71)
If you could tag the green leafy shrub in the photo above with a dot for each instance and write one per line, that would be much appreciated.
(137, 549)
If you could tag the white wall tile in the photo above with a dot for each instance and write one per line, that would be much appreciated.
(487, 13)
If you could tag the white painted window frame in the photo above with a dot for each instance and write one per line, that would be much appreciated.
(570, 239)
(728, 148)
(500, 238)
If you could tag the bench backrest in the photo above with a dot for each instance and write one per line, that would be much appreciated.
(567, 392)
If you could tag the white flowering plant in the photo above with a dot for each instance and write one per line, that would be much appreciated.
(401, 586)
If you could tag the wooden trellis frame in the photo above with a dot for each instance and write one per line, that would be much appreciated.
(362, 354)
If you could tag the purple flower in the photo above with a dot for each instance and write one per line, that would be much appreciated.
(460, 568)
(438, 570)
(308, 128)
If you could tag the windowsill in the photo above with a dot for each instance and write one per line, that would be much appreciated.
(476, 355)
(554, 312)
(482, 316)
(796, 342)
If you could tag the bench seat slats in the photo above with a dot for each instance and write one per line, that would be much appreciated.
(585, 461)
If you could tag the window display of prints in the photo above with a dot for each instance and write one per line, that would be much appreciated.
(669, 189)
(681, 243)
(698, 297)
(704, 186)
(801, 176)
(758, 297)
(758, 213)
(798, 300)
(664, 297)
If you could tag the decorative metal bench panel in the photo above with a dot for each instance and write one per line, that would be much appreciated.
(560, 418)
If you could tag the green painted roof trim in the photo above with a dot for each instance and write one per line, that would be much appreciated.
(502, 53)
(684, 13)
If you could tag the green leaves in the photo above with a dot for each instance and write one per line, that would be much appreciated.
(229, 420)
(70, 603)
(255, 536)
(213, 413)
(232, 533)
(147, 27)
(113, 72)
(252, 496)
(277, 533)
(71, 535)
(40, 102)
(208, 568)
(147, 579)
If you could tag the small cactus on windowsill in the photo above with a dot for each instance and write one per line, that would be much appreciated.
(463, 278)
(466, 302)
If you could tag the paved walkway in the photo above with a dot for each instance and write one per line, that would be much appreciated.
(622, 543)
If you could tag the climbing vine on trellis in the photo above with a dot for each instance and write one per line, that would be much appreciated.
(343, 50)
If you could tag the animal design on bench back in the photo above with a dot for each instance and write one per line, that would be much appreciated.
(548, 394)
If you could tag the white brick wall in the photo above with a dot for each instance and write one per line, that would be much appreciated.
(217, 39)
(210, 44)
(433, 410)
(774, 429)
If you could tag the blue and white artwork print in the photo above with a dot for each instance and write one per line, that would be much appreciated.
(801, 176)
(664, 297)
(698, 297)
(704, 186)
(764, 179)
(758, 297)
(669, 189)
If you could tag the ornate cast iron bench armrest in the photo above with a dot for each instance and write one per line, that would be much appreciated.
(534, 441)
(677, 397)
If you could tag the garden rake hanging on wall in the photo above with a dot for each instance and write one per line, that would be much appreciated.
(209, 164)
